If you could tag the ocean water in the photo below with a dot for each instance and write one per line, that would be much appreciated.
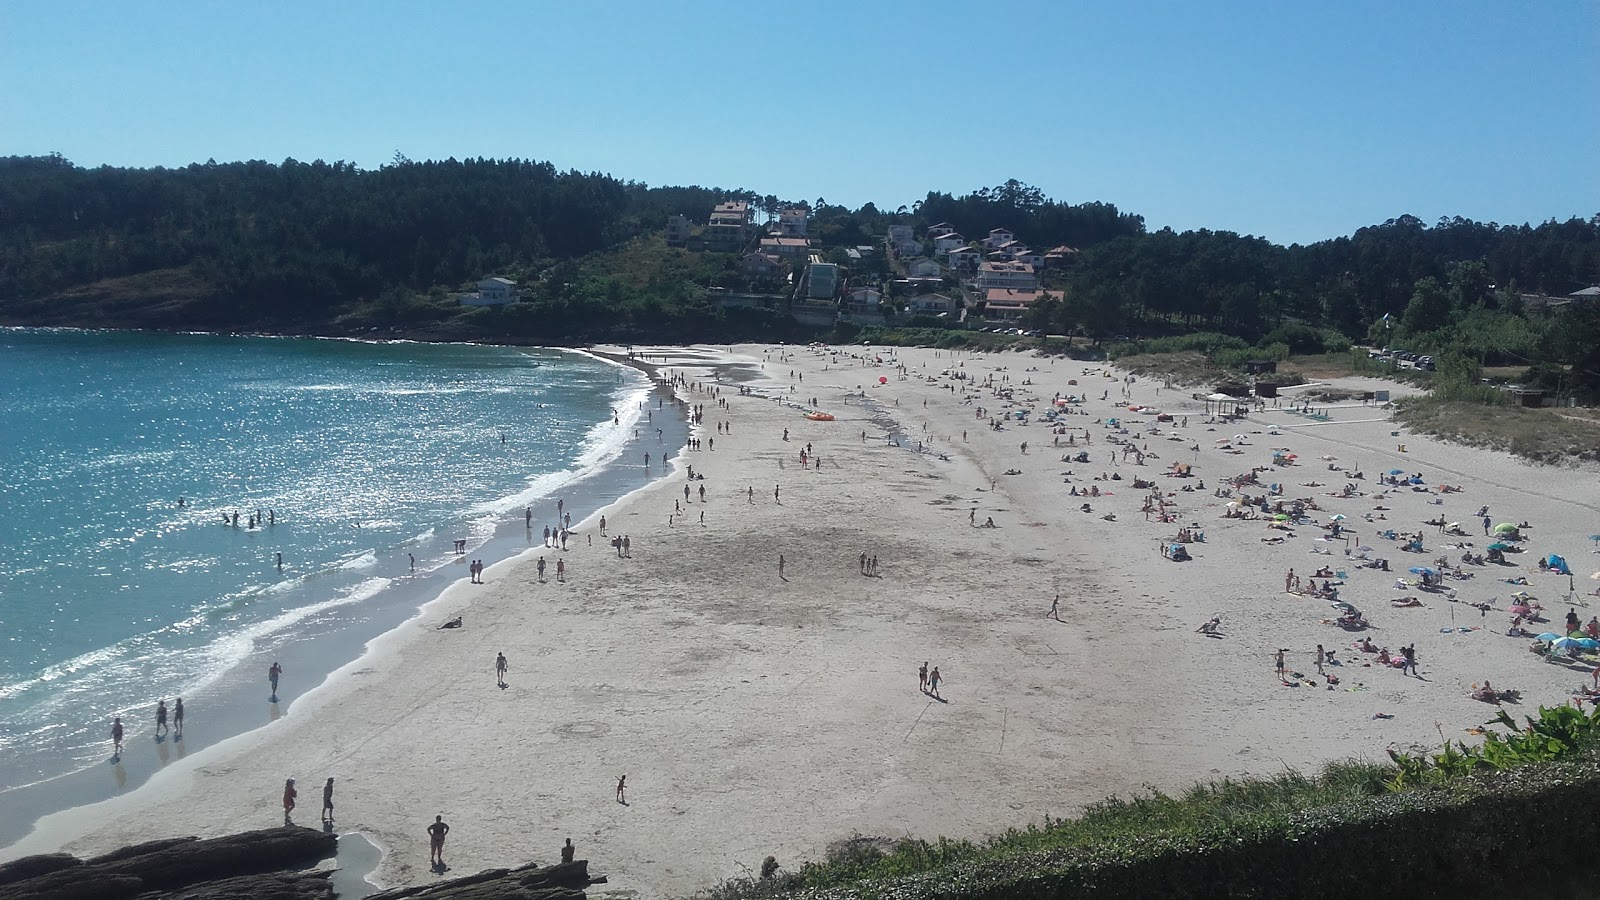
(122, 455)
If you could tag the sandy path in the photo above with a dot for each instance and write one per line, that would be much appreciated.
(755, 714)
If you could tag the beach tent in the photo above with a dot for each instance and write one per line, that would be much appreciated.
(1559, 565)
(1505, 528)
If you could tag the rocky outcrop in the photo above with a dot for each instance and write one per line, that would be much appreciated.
(563, 881)
(255, 865)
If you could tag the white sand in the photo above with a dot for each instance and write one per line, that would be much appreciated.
(755, 715)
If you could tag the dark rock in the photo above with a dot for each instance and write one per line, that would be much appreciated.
(564, 881)
(279, 886)
(160, 868)
(34, 866)
(140, 849)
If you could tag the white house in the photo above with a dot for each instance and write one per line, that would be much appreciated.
(865, 299)
(1013, 275)
(922, 267)
(792, 221)
(931, 304)
(1031, 257)
(944, 243)
(939, 230)
(492, 292)
(998, 238)
(964, 259)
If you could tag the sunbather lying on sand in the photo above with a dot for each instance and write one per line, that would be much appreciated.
(1404, 602)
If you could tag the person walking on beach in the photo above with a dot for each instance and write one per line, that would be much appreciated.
(272, 679)
(922, 676)
(540, 566)
(116, 737)
(161, 717)
(177, 718)
(500, 666)
(627, 546)
(602, 526)
(413, 558)
(1055, 608)
(1322, 656)
(780, 565)
(436, 833)
(289, 794)
(561, 570)
(933, 683)
(327, 801)
(1278, 661)
(775, 489)
(622, 790)
(1409, 652)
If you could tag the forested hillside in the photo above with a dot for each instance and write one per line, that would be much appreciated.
(329, 247)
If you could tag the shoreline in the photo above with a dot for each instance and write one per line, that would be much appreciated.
(762, 712)
(342, 630)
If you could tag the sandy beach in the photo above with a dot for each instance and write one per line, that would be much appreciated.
(759, 713)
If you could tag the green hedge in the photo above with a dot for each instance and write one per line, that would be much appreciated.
(1513, 834)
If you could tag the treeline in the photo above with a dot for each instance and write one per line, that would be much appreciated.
(331, 246)
(291, 241)
(1456, 288)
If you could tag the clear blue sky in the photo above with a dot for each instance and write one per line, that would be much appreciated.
(1296, 120)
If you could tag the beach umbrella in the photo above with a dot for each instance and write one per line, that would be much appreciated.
(1339, 517)
(1549, 636)
(883, 379)
(1499, 545)
(1397, 471)
(1588, 643)
(1422, 570)
(1281, 517)
(1565, 643)
(1505, 528)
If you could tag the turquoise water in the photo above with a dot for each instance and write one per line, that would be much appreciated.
(114, 594)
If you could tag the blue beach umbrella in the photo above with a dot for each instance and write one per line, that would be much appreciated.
(1588, 643)
(1423, 570)
(1397, 471)
(1549, 636)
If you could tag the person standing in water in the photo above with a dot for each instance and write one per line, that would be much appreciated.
(177, 718)
(161, 718)
(116, 737)
(272, 679)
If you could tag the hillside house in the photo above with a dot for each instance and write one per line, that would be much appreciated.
(998, 238)
(940, 230)
(1058, 257)
(944, 243)
(922, 267)
(1000, 305)
(787, 247)
(729, 226)
(761, 265)
(678, 230)
(792, 221)
(492, 292)
(928, 304)
(1010, 275)
(964, 260)
(868, 300)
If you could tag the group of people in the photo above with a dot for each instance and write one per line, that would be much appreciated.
(162, 727)
(290, 794)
